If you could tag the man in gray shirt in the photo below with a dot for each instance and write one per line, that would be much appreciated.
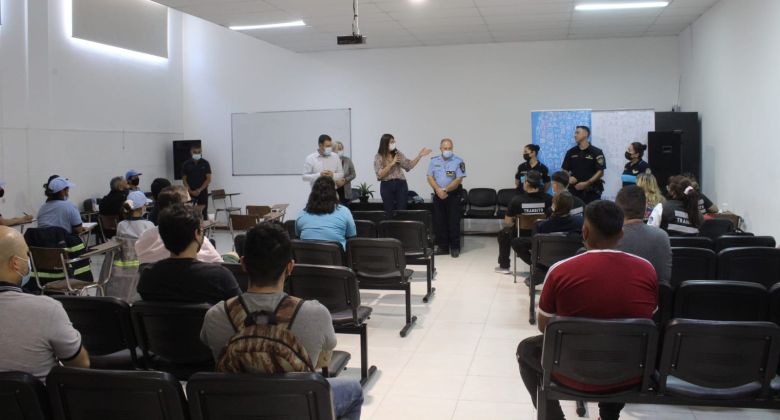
(36, 332)
(268, 261)
(648, 242)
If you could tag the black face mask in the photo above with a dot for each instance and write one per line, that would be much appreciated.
(2, 193)
(628, 156)
(135, 181)
(526, 157)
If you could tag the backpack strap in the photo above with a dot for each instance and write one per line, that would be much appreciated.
(235, 309)
(287, 310)
(227, 312)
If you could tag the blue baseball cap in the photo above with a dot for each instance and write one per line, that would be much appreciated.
(131, 173)
(2, 184)
(137, 199)
(58, 184)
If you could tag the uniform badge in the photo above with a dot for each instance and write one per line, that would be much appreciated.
(463, 166)
(450, 173)
(600, 160)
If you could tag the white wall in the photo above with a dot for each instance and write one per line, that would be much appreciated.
(479, 95)
(730, 64)
(83, 112)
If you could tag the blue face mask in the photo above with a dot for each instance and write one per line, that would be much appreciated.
(25, 277)
(447, 154)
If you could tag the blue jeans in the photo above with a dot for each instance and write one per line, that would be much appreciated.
(394, 195)
(347, 398)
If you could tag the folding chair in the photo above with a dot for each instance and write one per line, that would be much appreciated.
(45, 261)
(242, 223)
(227, 208)
(107, 226)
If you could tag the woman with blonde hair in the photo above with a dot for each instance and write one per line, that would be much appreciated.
(647, 182)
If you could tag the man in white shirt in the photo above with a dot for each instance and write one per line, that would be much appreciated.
(323, 162)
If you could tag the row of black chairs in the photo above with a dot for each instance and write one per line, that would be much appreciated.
(722, 242)
(87, 394)
(750, 263)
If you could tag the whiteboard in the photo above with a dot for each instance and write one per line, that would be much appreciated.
(277, 143)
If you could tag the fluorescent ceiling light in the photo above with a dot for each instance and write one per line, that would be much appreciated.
(621, 6)
(269, 26)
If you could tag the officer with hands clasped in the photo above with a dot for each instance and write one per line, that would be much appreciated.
(445, 174)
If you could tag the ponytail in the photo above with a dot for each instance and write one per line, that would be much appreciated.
(681, 189)
(127, 209)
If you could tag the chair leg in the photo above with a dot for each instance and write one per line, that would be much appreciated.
(514, 266)
(532, 305)
(541, 404)
(429, 278)
(582, 409)
(409, 318)
(366, 372)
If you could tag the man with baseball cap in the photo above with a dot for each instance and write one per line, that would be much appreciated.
(14, 220)
(133, 179)
(57, 210)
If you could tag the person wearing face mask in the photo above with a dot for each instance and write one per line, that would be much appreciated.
(181, 277)
(196, 176)
(323, 162)
(133, 178)
(58, 211)
(445, 175)
(636, 165)
(389, 166)
(531, 163)
(585, 164)
(12, 220)
(37, 333)
(344, 186)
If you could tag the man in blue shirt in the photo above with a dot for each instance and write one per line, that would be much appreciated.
(58, 211)
(445, 174)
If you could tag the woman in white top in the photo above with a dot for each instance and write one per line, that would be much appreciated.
(133, 209)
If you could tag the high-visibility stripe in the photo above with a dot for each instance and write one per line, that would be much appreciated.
(129, 263)
(82, 270)
(76, 248)
(45, 275)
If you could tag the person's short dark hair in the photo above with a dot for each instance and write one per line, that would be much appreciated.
(632, 200)
(266, 253)
(639, 148)
(534, 179)
(605, 217)
(563, 202)
(323, 138)
(115, 183)
(533, 147)
(177, 225)
(239, 244)
(584, 127)
(157, 185)
(561, 177)
(323, 197)
(196, 146)
(168, 197)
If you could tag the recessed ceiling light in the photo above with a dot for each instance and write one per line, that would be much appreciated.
(417, 1)
(269, 26)
(621, 6)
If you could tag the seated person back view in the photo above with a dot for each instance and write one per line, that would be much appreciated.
(36, 331)
(602, 283)
(133, 210)
(234, 256)
(111, 203)
(57, 211)
(182, 277)
(268, 261)
(648, 242)
(680, 215)
(324, 218)
(560, 183)
(150, 247)
(157, 186)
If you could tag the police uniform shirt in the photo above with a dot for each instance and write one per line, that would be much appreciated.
(630, 172)
(583, 164)
(444, 171)
(530, 204)
(195, 171)
(524, 167)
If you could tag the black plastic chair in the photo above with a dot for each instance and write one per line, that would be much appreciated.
(504, 196)
(755, 264)
(721, 300)
(375, 216)
(546, 250)
(417, 249)
(242, 277)
(774, 304)
(22, 397)
(171, 332)
(596, 352)
(88, 394)
(692, 264)
(738, 241)
(665, 304)
(718, 360)
(318, 252)
(423, 216)
(299, 396)
(691, 242)
(336, 288)
(289, 226)
(481, 203)
(715, 228)
(106, 330)
(365, 229)
(380, 264)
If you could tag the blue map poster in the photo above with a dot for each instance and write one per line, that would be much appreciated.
(553, 131)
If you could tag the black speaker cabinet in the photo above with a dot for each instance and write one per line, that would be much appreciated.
(665, 155)
(181, 153)
(687, 124)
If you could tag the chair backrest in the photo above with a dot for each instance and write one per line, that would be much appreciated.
(370, 258)
(505, 195)
(375, 216)
(423, 216)
(48, 259)
(690, 242)
(171, 330)
(528, 221)
(242, 277)
(412, 234)
(721, 300)
(737, 241)
(89, 394)
(774, 304)
(318, 252)
(665, 304)
(300, 396)
(365, 229)
(103, 321)
(550, 248)
(108, 222)
(692, 264)
(482, 197)
(258, 210)
(218, 194)
(756, 264)
(289, 226)
(22, 397)
(335, 287)
(720, 354)
(713, 228)
(600, 352)
(243, 221)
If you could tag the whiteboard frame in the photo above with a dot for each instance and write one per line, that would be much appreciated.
(232, 140)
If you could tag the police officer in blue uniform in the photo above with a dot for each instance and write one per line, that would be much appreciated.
(636, 165)
(445, 174)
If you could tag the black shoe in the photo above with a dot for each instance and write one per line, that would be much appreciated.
(441, 251)
(454, 252)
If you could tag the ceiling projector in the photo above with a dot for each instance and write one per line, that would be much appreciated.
(355, 38)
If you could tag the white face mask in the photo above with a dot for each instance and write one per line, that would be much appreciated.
(197, 156)
(392, 146)
(328, 151)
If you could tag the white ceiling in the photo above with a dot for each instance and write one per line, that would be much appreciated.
(404, 23)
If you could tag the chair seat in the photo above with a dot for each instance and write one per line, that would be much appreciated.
(423, 254)
(180, 371)
(344, 317)
(338, 362)
(121, 360)
(62, 285)
(680, 388)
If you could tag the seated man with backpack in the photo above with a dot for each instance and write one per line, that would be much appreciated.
(287, 334)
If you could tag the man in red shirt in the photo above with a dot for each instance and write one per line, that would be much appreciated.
(601, 283)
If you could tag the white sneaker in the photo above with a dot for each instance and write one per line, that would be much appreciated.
(503, 270)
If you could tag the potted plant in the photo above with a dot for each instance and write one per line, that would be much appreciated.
(364, 192)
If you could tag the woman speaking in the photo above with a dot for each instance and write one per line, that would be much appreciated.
(388, 164)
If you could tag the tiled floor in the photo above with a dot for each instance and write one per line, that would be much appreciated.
(458, 360)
